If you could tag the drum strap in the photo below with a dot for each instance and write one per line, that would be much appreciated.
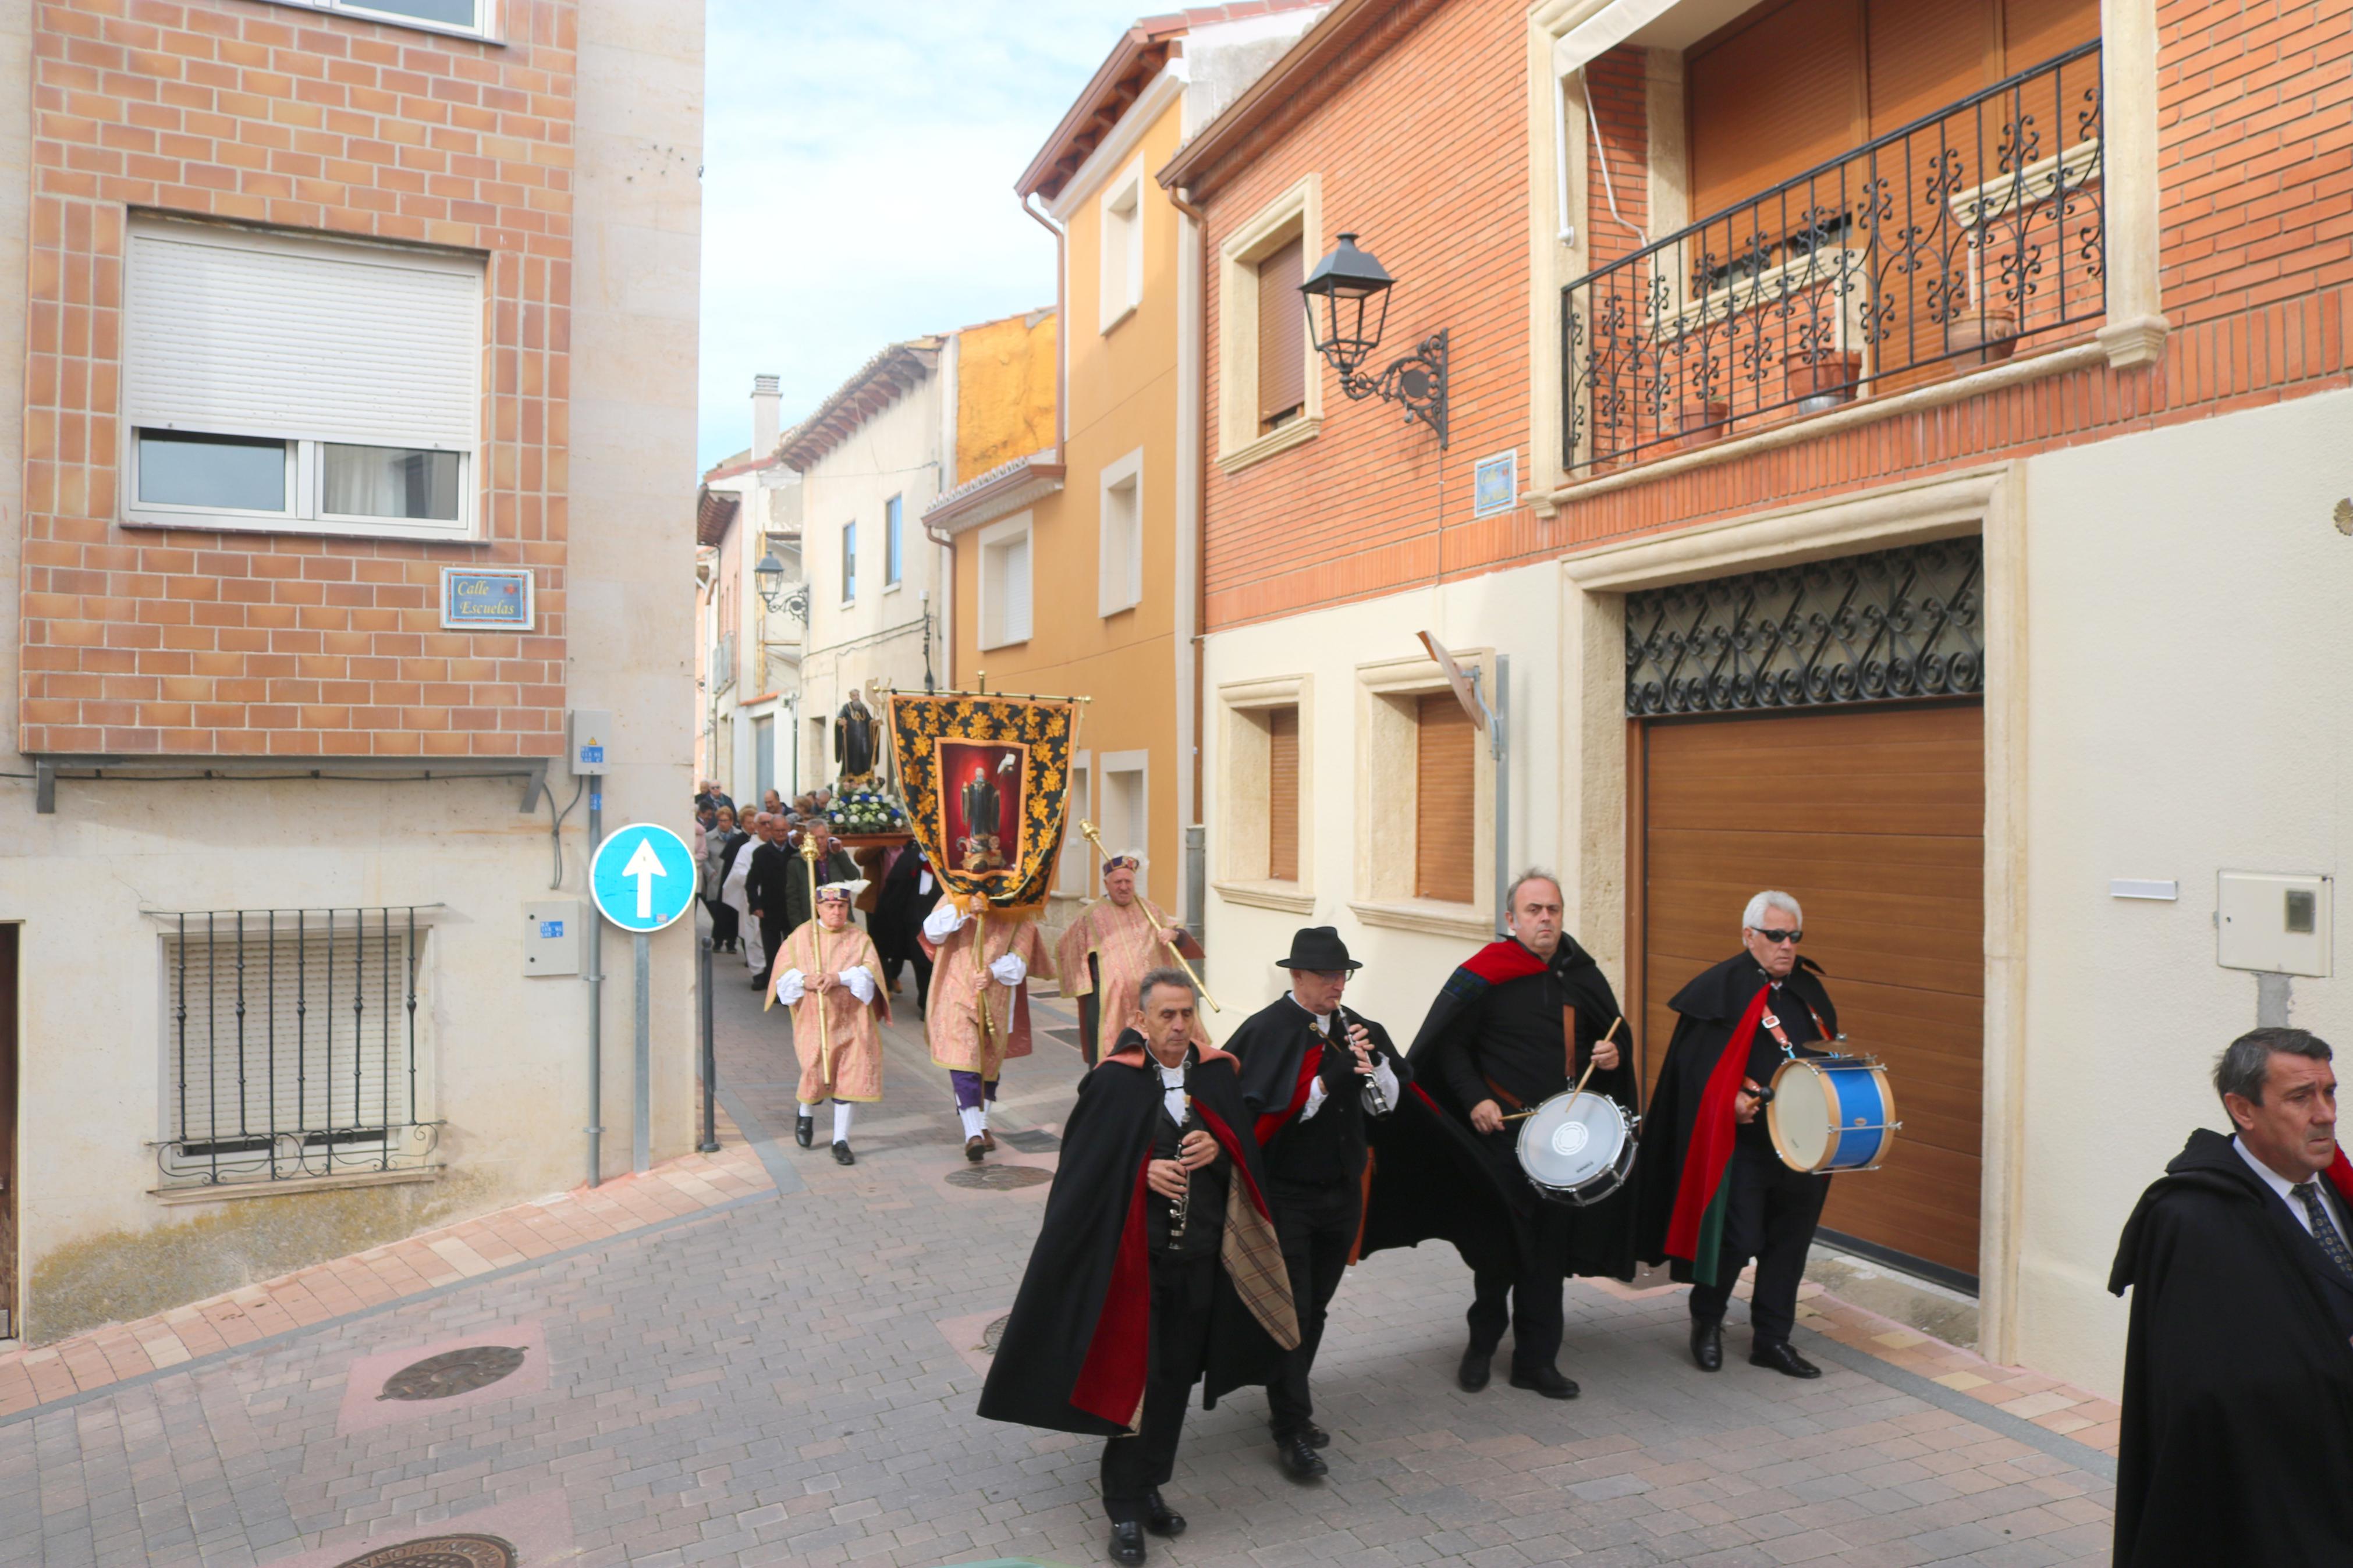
(1505, 1095)
(1781, 1036)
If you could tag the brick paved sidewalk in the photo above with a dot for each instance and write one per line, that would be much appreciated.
(723, 1365)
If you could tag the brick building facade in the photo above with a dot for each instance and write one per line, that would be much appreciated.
(1913, 412)
(328, 320)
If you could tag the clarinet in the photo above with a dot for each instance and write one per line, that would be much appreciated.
(1182, 1204)
(1376, 1102)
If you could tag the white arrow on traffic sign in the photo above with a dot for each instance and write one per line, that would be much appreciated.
(645, 866)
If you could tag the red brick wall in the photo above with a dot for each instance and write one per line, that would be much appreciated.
(146, 640)
(1425, 149)
(1424, 153)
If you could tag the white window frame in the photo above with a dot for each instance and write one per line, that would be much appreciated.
(894, 543)
(1389, 804)
(849, 562)
(1135, 764)
(487, 26)
(1075, 877)
(1121, 206)
(992, 544)
(1119, 575)
(1299, 211)
(305, 511)
(1241, 796)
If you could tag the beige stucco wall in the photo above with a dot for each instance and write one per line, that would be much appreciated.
(507, 1063)
(1124, 393)
(1351, 788)
(899, 451)
(2187, 617)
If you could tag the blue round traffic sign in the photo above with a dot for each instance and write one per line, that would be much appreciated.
(642, 877)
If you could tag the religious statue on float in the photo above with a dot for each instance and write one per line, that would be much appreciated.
(857, 744)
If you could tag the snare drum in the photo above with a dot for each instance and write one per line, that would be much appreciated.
(1831, 1113)
(1576, 1149)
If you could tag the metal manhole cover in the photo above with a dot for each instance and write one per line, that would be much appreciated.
(441, 1551)
(994, 1335)
(1000, 1178)
(452, 1372)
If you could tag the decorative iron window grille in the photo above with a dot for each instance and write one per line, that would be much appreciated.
(291, 1045)
(1951, 239)
(1891, 626)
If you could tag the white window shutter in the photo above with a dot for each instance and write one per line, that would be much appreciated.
(246, 335)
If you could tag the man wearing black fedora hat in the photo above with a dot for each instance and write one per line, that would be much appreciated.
(1313, 1073)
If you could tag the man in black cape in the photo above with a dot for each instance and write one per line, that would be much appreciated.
(1306, 1066)
(1156, 1265)
(2237, 1442)
(1711, 1193)
(1501, 1036)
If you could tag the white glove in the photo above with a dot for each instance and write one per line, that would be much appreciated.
(789, 988)
(1315, 1099)
(943, 921)
(860, 983)
(1386, 1075)
(1009, 969)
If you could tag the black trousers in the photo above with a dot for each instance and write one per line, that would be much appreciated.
(1132, 1467)
(1317, 1230)
(772, 938)
(723, 922)
(1520, 1286)
(1769, 1215)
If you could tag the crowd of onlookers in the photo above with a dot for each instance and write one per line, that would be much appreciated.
(756, 881)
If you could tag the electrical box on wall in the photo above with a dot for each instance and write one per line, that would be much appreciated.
(2272, 922)
(590, 732)
(552, 937)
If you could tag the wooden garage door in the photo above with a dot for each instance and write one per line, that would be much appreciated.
(1874, 818)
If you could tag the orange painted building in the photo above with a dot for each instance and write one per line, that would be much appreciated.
(1875, 433)
(1073, 546)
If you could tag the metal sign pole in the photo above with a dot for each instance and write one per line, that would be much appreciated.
(641, 1131)
(710, 1145)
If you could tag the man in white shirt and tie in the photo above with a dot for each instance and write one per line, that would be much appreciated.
(2238, 1397)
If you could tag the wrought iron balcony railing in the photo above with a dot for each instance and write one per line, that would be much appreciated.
(1941, 245)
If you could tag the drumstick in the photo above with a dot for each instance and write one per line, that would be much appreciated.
(1604, 1040)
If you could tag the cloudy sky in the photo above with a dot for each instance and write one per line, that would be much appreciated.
(857, 188)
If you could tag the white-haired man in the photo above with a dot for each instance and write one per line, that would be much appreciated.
(1712, 1193)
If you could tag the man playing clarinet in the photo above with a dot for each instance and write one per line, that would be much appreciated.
(1156, 1264)
(1313, 1074)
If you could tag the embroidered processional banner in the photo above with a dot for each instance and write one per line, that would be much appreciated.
(987, 782)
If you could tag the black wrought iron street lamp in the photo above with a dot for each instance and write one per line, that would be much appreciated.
(1353, 289)
(770, 576)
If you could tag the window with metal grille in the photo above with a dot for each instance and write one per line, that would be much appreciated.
(291, 1045)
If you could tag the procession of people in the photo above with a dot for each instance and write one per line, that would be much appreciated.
(1208, 1203)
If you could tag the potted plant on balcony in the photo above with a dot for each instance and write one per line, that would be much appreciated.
(1822, 381)
(1982, 336)
(1698, 421)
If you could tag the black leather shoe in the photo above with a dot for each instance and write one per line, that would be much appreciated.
(805, 1131)
(1316, 1437)
(759, 981)
(1159, 1517)
(1707, 1346)
(1547, 1381)
(1477, 1365)
(974, 1149)
(1784, 1358)
(1126, 1543)
(842, 1156)
(1300, 1461)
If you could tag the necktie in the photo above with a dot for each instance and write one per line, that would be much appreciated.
(2324, 1231)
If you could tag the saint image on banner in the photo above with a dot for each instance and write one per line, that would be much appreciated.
(983, 805)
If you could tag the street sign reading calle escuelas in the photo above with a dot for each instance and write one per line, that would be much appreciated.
(642, 877)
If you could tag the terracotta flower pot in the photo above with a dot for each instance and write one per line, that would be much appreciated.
(1988, 336)
(1699, 421)
(1825, 382)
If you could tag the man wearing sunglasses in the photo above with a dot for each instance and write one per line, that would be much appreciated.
(1713, 1193)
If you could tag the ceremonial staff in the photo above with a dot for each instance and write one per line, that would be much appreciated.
(1159, 922)
(817, 943)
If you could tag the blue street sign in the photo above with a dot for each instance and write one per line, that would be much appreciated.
(642, 877)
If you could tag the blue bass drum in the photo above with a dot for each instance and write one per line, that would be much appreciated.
(1831, 1113)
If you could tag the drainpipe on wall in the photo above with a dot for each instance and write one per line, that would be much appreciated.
(1190, 712)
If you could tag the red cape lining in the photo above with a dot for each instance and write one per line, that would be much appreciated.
(1272, 1123)
(1500, 961)
(1712, 1134)
(1110, 1380)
